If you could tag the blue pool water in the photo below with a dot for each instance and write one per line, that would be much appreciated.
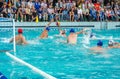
(61, 60)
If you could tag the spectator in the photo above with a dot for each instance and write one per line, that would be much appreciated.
(60, 14)
(71, 13)
(65, 14)
(80, 14)
(94, 1)
(4, 10)
(33, 13)
(50, 12)
(27, 13)
(30, 4)
(40, 12)
(75, 14)
(59, 4)
(97, 6)
(63, 10)
(102, 15)
(37, 5)
(18, 3)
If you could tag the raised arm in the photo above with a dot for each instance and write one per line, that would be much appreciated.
(49, 23)
(80, 32)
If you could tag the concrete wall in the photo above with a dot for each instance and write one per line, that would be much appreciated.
(96, 25)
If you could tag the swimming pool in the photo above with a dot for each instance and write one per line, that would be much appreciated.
(61, 60)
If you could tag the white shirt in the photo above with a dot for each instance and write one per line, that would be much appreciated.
(79, 11)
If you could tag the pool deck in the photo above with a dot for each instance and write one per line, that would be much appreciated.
(96, 25)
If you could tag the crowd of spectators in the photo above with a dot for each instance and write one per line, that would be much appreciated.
(63, 10)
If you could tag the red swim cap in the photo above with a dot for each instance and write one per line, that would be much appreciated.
(20, 30)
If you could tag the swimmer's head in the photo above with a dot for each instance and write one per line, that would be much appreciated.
(72, 31)
(48, 28)
(110, 43)
(100, 43)
(63, 32)
(20, 30)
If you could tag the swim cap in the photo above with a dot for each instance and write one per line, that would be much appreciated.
(20, 30)
(72, 31)
(111, 42)
(48, 28)
(100, 43)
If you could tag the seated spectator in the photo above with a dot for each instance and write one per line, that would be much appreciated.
(27, 13)
(33, 14)
(4, 10)
(30, 4)
(102, 14)
(80, 14)
(75, 14)
(37, 5)
(97, 6)
(71, 13)
(65, 14)
(50, 12)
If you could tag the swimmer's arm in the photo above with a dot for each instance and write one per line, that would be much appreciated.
(49, 23)
(24, 41)
(80, 32)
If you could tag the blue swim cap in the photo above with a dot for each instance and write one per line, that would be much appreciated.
(48, 28)
(72, 31)
(100, 43)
